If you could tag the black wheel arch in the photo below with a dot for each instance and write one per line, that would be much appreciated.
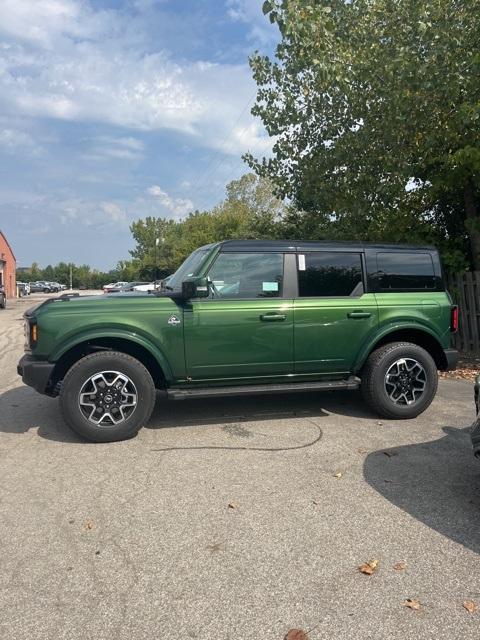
(70, 357)
(416, 336)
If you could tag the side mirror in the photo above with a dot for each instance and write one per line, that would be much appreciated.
(195, 287)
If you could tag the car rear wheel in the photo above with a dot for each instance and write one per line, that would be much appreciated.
(399, 380)
(3, 302)
(107, 396)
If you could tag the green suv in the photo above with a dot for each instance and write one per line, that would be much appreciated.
(247, 317)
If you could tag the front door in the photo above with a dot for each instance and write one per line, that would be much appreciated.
(244, 330)
(333, 314)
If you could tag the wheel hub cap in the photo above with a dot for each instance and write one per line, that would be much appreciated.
(405, 381)
(107, 398)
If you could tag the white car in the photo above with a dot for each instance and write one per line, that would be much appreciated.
(151, 286)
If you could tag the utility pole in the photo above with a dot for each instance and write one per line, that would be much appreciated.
(157, 241)
(71, 276)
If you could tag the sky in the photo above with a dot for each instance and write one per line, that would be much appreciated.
(112, 110)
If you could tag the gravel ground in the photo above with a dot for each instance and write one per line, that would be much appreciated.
(237, 519)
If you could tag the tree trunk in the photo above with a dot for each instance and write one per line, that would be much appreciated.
(473, 222)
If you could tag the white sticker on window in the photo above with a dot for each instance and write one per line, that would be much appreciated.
(269, 286)
(301, 262)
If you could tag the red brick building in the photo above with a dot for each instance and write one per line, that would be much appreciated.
(7, 268)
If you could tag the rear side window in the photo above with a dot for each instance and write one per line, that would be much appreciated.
(329, 273)
(405, 271)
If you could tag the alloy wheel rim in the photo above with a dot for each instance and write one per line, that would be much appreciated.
(405, 381)
(108, 398)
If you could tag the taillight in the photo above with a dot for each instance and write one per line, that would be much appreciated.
(454, 319)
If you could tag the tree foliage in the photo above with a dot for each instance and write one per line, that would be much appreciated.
(250, 210)
(375, 105)
(83, 276)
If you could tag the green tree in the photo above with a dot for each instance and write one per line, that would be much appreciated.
(375, 105)
(250, 210)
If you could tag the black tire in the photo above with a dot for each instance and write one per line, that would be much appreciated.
(3, 302)
(79, 375)
(375, 388)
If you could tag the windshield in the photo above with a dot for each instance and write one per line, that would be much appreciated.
(186, 269)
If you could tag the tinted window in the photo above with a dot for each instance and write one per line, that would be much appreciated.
(247, 275)
(328, 273)
(405, 271)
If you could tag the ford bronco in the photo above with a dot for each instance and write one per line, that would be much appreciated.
(248, 317)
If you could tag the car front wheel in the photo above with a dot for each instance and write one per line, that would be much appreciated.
(107, 396)
(399, 380)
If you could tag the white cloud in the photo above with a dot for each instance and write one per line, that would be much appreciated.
(14, 140)
(250, 13)
(177, 206)
(61, 59)
(113, 211)
(122, 148)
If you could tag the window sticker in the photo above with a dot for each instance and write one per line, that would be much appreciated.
(301, 262)
(269, 286)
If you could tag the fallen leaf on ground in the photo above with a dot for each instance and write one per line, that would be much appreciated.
(337, 475)
(362, 450)
(232, 505)
(470, 606)
(216, 546)
(296, 634)
(399, 566)
(88, 524)
(412, 604)
(368, 567)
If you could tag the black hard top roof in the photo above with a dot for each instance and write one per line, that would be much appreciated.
(301, 245)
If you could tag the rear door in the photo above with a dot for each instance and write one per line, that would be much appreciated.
(244, 330)
(333, 313)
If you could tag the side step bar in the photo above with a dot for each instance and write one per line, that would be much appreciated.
(255, 389)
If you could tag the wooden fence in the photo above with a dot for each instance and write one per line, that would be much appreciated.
(465, 290)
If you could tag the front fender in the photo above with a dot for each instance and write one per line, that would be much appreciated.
(390, 328)
(131, 336)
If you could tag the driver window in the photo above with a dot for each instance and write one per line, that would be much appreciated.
(247, 275)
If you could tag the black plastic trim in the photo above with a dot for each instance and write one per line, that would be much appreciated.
(255, 389)
(451, 356)
(35, 373)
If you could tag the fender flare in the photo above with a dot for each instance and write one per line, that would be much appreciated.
(369, 346)
(142, 341)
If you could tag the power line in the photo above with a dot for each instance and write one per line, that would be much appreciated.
(221, 149)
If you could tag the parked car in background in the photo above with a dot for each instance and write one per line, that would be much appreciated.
(53, 286)
(58, 286)
(23, 288)
(3, 298)
(132, 286)
(114, 287)
(148, 286)
(40, 287)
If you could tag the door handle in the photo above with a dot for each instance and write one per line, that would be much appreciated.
(358, 314)
(273, 317)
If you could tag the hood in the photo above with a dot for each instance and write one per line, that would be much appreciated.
(66, 302)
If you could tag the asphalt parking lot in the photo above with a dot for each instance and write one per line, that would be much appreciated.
(237, 519)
